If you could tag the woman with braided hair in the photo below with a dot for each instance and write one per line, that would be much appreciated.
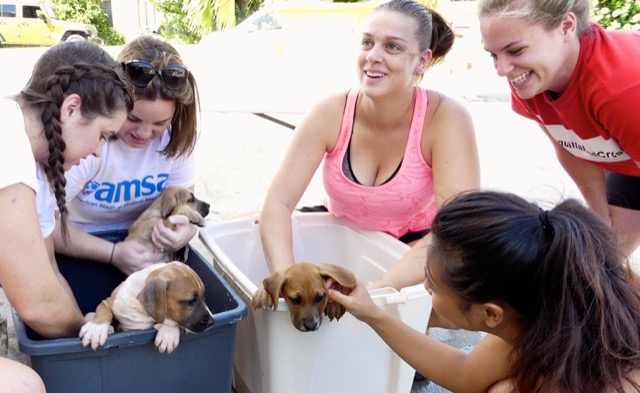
(159, 135)
(552, 289)
(73, 102)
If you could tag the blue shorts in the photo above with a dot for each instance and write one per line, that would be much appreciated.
(623, 190)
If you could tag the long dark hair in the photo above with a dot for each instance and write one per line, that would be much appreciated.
(561, 271)
(69, 68)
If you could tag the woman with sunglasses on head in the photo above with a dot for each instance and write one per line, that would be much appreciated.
(581, 84)
(73, 102)
(555, 294)
(153, 149)
(392, 151)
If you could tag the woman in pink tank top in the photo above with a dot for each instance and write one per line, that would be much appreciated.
(393, 152)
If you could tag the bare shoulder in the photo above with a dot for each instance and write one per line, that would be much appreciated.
(331, 105)
(443, 108)
(447, 119)
(488, 362)
(323, 119)
(15, 199)
(635, 377)
(17, 207)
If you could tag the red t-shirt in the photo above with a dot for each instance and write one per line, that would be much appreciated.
(597, 118)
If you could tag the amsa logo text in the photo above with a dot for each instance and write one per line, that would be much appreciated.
(125, 190)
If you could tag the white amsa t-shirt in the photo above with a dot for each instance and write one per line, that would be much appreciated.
(111, 191)
(16, 157)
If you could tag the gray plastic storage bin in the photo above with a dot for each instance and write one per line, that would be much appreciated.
(129, 361)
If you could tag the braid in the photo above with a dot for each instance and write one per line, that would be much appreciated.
(56, 90)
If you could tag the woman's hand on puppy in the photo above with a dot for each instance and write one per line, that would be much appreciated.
(172, 240)
(358, 302)
(129, 256)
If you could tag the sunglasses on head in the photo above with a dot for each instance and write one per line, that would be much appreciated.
(141, 72)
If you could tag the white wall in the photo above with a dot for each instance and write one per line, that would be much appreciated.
(134, 17)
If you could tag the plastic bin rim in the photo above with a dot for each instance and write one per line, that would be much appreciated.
(248, 288)
(130, 338)
(120, 339)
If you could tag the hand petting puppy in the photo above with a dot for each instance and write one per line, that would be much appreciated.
(304, 287)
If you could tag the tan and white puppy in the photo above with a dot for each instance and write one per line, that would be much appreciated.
(165, 296)
(171, 201)
(304, 287)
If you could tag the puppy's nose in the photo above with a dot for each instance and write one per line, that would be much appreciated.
(205, 209)
(203, 324)
(311, 324)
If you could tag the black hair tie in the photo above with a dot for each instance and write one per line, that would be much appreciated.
(543, 215)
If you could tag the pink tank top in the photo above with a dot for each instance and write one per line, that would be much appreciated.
(405, 203)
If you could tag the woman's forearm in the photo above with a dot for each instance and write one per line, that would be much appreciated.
(409, 270)
(276, 235)
(80, 244)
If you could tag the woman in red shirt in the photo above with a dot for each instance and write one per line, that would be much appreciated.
(581, 84)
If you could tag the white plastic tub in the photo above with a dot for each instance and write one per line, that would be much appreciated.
(271, 356)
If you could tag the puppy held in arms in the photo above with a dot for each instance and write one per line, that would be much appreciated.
(304, 287)
(172, 201)
(166, 296)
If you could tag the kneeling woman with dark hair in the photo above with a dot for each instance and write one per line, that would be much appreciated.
(556, 295)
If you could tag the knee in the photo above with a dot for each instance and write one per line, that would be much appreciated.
(33, 382)
(18, 378)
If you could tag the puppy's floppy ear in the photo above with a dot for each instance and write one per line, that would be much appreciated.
(273, 286)
(153, 298)
(168, 200)
(344, 281)
(339, 274)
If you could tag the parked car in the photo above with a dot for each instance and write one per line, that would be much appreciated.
(32, 23)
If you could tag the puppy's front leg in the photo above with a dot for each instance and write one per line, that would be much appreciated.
(168, 336)
(261, 299)
(334, 311)
(96, 331)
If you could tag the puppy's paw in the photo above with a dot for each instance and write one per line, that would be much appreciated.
(334, 310)
(261, 299)
(167, 338)
(95, 334)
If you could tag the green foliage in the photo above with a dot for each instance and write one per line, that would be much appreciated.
(618, 14)
(90, 12)
(187, 21)
(249, 8)
(175, 27)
